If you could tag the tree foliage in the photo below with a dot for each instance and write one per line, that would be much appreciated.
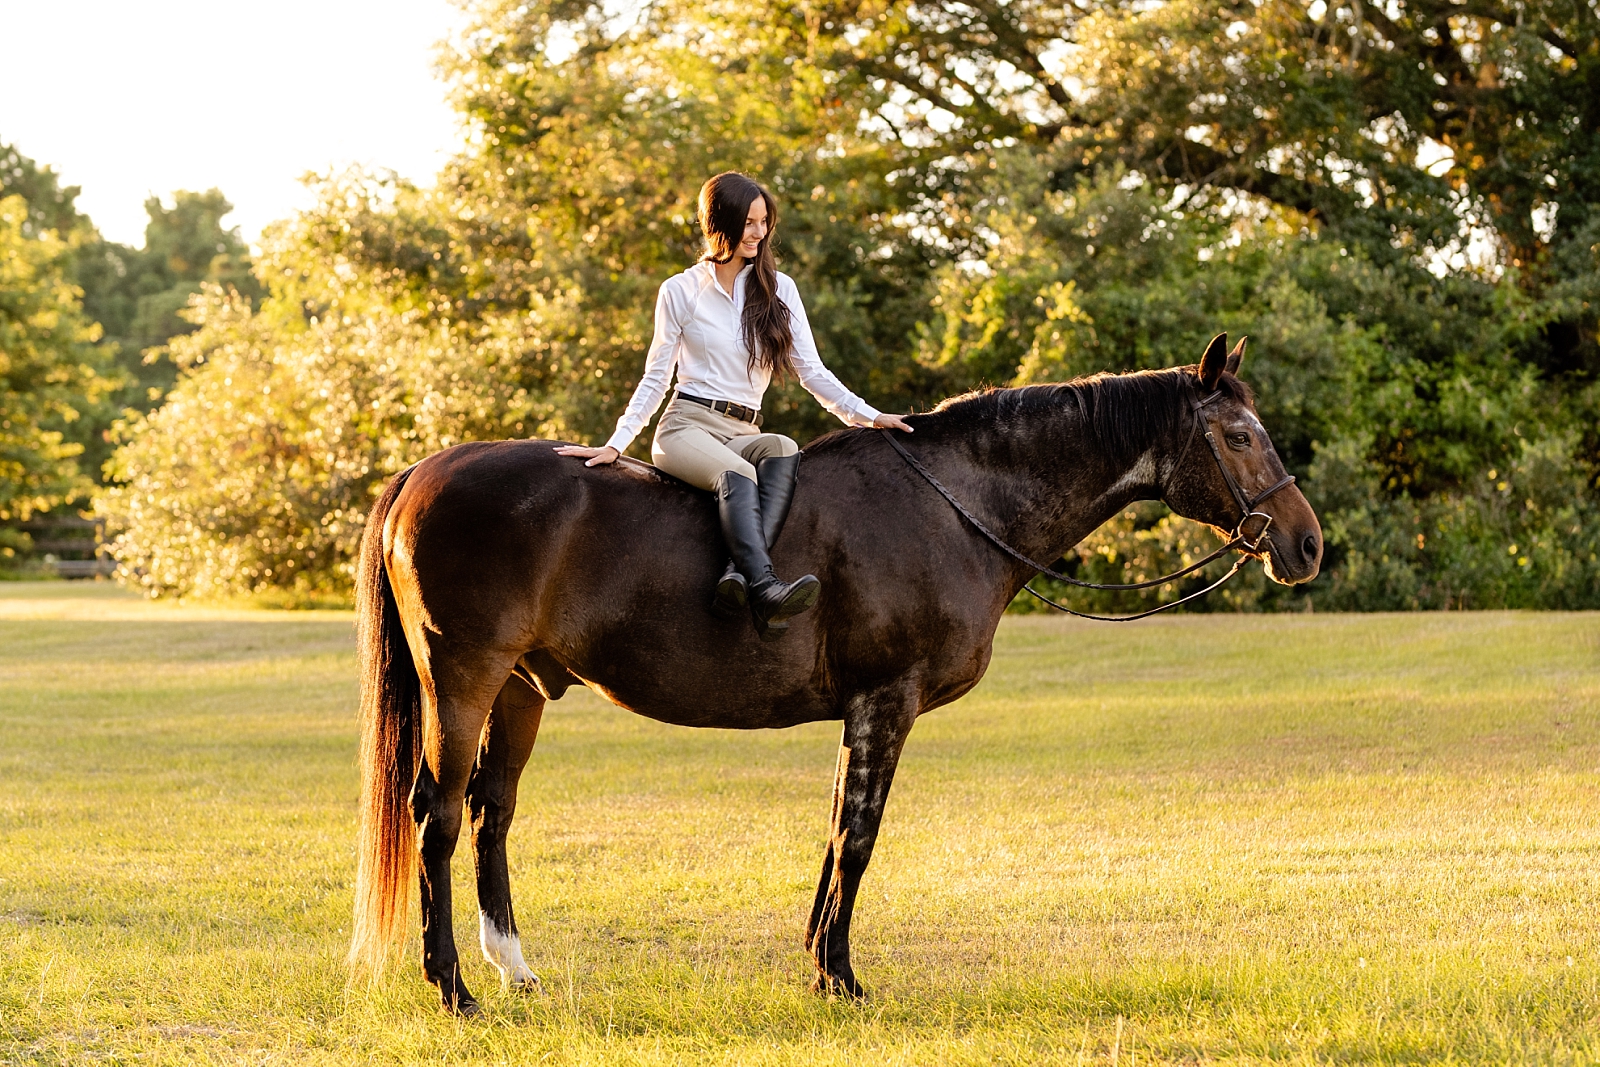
(137, 294)
(52, 372)
(300, 420)
(1447, 471)
(133, 296)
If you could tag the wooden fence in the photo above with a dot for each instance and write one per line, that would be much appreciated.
(67, 547)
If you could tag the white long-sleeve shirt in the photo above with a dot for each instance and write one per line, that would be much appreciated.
(698, 331)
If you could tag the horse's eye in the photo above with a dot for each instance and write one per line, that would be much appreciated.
(1239, 440)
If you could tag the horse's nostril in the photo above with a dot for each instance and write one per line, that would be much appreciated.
(1309, 546)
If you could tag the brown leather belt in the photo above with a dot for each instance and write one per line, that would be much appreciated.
(726, 407)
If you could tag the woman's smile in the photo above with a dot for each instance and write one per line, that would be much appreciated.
(755, 229)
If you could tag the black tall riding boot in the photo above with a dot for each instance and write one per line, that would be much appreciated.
(772, 600)
(775, 481)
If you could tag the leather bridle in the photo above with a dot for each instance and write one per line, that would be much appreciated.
(1247, 505)
(1247, 511)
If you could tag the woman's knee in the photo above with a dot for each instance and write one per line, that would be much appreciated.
(768, 446)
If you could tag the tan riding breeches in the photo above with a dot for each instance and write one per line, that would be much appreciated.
(696, 444)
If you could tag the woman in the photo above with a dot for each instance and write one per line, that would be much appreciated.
(729, 324)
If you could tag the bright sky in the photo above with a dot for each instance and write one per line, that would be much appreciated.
(135, 97)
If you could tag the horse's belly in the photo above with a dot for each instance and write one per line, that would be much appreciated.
(685, 701)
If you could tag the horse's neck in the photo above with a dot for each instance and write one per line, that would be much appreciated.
(1049, 486)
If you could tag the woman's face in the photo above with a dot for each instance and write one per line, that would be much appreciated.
(755, 228)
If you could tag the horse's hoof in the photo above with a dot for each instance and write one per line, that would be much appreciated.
(832, 985)
(453, 994)
(526, 984)
(463, 1006)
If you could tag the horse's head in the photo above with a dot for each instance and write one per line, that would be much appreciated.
(1229, 476)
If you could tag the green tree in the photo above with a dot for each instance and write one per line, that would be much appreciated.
(52, 372)
(575, 199)
(135, 295)
(138, 294)
(257, 471)
(1447, 470)
(51, 206)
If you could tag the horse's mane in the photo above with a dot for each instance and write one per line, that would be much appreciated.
(1125, 411)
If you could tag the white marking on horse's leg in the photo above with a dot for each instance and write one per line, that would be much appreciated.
(505, 952)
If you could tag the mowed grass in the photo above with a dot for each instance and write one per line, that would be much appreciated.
(1240, 839)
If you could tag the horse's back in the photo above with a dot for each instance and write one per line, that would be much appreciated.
(522, 478)
(510, 523)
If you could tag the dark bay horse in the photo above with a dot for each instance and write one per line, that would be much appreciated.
(493, 576)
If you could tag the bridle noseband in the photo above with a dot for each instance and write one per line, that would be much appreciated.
(1247, 511)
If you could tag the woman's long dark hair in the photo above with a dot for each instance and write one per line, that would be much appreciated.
(724, 205)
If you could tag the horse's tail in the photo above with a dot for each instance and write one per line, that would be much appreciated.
(391, 721)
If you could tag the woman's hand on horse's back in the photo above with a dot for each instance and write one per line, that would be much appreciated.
(596, 456)
(887, 421)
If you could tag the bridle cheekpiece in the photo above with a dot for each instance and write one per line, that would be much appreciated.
(1247, 504)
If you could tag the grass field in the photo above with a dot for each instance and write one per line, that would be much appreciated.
(1244, 839)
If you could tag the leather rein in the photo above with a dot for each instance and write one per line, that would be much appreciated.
(1247, 510)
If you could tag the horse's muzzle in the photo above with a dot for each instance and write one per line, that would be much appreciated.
(1293, 555)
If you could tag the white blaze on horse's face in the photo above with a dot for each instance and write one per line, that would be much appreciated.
(505, 952)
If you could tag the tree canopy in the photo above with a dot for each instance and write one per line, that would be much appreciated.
(83, 322)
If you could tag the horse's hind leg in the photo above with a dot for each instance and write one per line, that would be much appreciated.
(457, 692)
(492, 800)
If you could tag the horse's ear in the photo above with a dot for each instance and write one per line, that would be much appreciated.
(1236, 357)
(1213, 362)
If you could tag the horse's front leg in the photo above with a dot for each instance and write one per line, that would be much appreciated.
(492, 801)
(875, 729)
